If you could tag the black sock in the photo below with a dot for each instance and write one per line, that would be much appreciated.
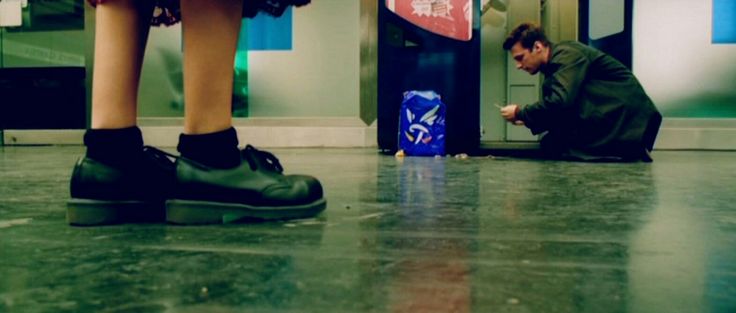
(219, 149)
(114, 146)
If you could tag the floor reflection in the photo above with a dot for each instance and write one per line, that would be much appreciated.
(431, 271)
(398, 235)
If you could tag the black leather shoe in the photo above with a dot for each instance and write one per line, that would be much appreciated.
(132, 193)
(256, 189)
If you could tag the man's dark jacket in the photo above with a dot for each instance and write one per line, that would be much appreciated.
(592, 107)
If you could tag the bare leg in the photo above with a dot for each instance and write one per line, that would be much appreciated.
(120, 39)
(209, 146)
(210, 39)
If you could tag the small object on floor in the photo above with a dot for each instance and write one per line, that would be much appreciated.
(422, 124)
(400, 154)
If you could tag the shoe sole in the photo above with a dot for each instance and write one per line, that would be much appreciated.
(187, 212)
(87, 212)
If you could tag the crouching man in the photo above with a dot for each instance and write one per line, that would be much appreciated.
(592, 106)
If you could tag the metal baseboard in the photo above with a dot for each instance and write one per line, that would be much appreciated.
(697, 134)
(267, 134)
(33, 137)
(675, 134)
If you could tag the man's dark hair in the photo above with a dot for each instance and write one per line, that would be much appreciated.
(526, 34)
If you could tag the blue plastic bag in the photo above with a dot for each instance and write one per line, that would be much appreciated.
(422, 124)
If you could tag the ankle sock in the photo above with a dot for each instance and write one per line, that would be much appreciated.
(114, 146)
(219, 149)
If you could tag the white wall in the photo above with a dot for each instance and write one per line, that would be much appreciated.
(161, 92)
(493, 75)
(319, 77)
(683, 72)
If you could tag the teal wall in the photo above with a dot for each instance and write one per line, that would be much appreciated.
(317, 77)
(685, 73)
(42, 48)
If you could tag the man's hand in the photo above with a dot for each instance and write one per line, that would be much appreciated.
(509, 113)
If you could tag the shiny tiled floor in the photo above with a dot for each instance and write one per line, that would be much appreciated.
(411, 235)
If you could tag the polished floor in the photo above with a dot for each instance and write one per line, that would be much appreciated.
(480, 234)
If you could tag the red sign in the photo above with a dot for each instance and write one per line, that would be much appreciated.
(449, 18)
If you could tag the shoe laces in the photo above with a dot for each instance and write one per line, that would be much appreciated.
(161, 158)
(254, 157)
(257, 157)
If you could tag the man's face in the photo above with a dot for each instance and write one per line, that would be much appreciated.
(526, 59)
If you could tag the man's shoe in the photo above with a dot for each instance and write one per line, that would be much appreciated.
(136, 192)
(255, 189)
